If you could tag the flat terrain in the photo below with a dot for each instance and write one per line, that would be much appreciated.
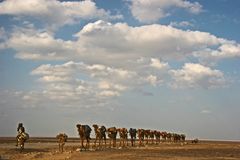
(47, 149)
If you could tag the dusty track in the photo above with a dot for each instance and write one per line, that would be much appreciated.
(47, 149)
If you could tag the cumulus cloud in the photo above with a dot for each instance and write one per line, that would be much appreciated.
(109, 85)
(69, 78)
(129, 53)
(124, 42)
(225, 51)
(152, 80)
(121, 43)
(151, 11)
(55, 13)
(93, 71)
(72, 80)
(197, 76)
(127, 58)
(75, 83)
(157, 64)
(30, 43)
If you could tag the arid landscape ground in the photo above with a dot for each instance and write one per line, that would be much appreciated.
(47, 149)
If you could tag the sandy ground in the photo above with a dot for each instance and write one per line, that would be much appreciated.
(48, 150)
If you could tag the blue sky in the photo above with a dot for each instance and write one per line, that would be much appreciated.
(165, 65)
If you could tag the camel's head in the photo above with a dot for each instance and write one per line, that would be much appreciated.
(112, 130)
(78, 126)
(65, 137)
(103, 128)
(95, 126)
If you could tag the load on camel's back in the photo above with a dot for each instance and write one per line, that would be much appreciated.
(133, 134)
(22, 136)
(84, 132)
(62, 138)
(21, 139)
(100, 133)
(112, 134)
(123, 134)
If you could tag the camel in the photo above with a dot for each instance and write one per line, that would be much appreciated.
(164, 136)
(20, 130)
(157, 135)
(176, 137)
(21, 139)
(151, 136)
(147, 134)
(133, 133)
(112, 134)
(140, 133)
(62, 138)
(100, 133)
(195, 141)
(123, 133)
(183, 137)
(84, 132)
(169, 137)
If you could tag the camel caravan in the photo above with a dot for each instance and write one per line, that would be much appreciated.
(144, 137)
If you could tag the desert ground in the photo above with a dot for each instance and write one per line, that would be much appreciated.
(47, 149)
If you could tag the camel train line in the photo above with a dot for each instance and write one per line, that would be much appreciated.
(143, 136)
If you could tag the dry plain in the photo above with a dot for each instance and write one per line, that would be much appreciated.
(47, 149)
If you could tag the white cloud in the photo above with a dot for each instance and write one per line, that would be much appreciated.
(35, 44)
(69, 78)
(96, 67)
(108, 93)
(104, 85)
(108, 85)
(92, 71)
(157, 64)
(152, 80)
(195, 76)
(151, 11)
(227, 50)
(54, 79)
(122, 43)
(182, 24)
(55, 13)
(125, 56)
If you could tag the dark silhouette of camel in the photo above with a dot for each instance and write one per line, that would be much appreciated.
(140, 133)
(112, 134)
(62, 138)
(123, 134)
(133, 135)
(100, 133)
(84, 132)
